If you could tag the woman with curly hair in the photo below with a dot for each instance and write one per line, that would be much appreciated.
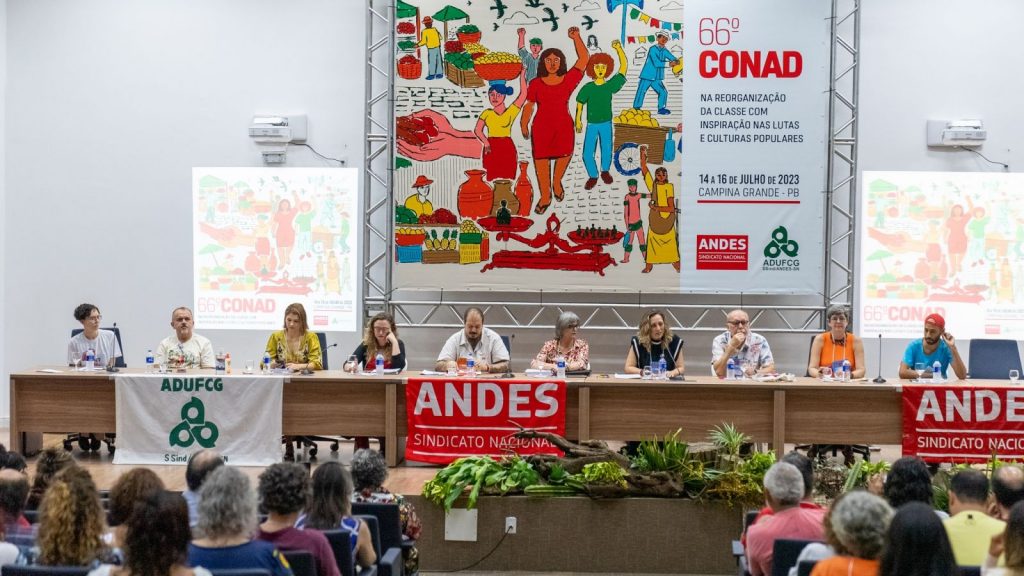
(331, 509)
(284, 492)
(917, 544)
(909, 481)
(369, 471)
(227, 520)
(859, 521)
(71, 522)
(51, 461)
(655, 339)
(155, 539)
(132, 487)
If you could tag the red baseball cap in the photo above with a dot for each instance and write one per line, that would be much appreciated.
(936, 319)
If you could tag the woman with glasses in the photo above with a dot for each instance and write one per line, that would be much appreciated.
(295, 347)
(832, 347)
(654, 339)
(575, 350)
(381, 336)
(103, 343)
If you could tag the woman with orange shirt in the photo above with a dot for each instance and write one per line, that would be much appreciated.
(830, 348)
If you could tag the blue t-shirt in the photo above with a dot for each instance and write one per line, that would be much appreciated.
(252, 554)
(915, 353)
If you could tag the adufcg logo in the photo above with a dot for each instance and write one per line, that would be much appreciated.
(780, 254)
(193, 427)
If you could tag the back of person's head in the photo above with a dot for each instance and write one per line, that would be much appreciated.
(135, 485)
(332, 491)
(1014, 537)
(12, 461)
(970, 486)
(51, 461)
(806, 468)
(13, 494)
(227, 505)
(157, 535)
(369, 470)
(917, 544)
(859, 521)
(908, 481)
(71, 523)
(200, 464)
(1008, 485)
(784, 485)
(284, 488)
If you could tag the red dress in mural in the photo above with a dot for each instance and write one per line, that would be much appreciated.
(552, 135)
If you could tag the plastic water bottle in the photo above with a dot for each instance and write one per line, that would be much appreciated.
(470, 365)
(662, 368)
(227, 362)
(560, 366)
(90, 359)
(149, 360)
(219, 366)
(730, 370)
(266, 362)
(379, 364)
(847, 372)
(936, 371)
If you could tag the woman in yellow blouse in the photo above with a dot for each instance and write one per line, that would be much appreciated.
(499, 157)
(295, 347)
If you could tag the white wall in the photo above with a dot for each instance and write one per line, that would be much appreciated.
(4, 401)
(109, 106)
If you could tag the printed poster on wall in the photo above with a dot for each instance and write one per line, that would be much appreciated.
(264, 238)
(963, 423)
(945, 242)
(754, 145)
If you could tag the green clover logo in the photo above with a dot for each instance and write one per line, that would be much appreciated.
(194, 427)
(781, 243)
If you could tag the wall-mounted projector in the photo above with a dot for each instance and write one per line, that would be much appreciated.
(952, 133)
(278, 129)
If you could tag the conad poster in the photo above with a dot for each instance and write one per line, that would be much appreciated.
(539, 144)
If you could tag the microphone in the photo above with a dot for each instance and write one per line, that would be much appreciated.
(324, 353)
(879, 380)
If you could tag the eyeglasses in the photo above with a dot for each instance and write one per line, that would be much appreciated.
(738, 322)
(95, 318)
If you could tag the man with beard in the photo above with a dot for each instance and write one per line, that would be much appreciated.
(749, 350)
(937, 345)
(489, 353)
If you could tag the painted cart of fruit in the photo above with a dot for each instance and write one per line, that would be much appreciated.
(634, 128)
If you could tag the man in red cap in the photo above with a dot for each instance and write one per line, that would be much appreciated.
(431, 39)
(937, 345)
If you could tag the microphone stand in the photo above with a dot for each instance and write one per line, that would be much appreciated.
(879, 380)
(112, 363)
(508, 365)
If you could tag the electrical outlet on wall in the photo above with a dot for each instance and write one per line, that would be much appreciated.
(511, 525)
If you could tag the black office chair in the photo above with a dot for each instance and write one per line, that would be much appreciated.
(89, 442)
(784, 554)
(302, 442)
(231, 572)
(993, 359)
(13, 570)
(301, 561)
(339, 541)
(819, 450)
(389, 520)
(807, 566)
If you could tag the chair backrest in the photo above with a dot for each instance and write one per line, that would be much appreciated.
(119, 362)
(993, 359)
(31, 515)
(373, 525)
(323, 349)
(508, 344)
(229, 572)
(301, 561)
(784, 555)
(389, 520)
(807, 566)
(39, 570)
(339, 540)
(391, 563)
(807, 371)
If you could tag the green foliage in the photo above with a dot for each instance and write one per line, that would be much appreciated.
(603, 473)
(757, 464)
(405, 215)
(668, 454)
(728, 438)
(461, 60)
(478, 473)
(468, 29)
(862, 471)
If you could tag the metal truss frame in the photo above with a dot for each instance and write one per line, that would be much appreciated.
(609, 311)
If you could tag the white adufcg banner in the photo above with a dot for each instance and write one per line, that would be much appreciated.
(164, 418)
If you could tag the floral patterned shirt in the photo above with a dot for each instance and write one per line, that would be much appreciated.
(578, 357)
(755, 350)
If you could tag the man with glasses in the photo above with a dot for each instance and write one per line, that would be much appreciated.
(185, 349)
(748, 350)
(103, 343)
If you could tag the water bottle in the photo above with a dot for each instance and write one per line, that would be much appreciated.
(662, 368)
(470, 365)
(936, 371)
(560, 366)
(149, 360)
(90, 359)
(847, 372)
(219, 366)
(227, 362)
(730, 370)
(266, 362)
(380, 364)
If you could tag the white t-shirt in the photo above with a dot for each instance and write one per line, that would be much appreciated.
(8, 553)
(198, 351)
(489, 349)
(105, 345)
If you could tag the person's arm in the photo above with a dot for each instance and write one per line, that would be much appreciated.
(766, 361)
(582, 360)
(623, 62)
(398, 360)
(206, 356)
(315, 357)
(858, 356)
(956, 363)
(906, 372)
(497, 367)
(522, 37)
(72, 356)
(365, 556)
(680, 368)
(643, 168)
(479, 133)
(272, 349)
(449, 354)
(814, 361)
(160, 355)
(720, 353)
(521, 98)
(582, 54)
(631, 361)
(540, 362)
(360, 354)
(527, 115)
(579, 116)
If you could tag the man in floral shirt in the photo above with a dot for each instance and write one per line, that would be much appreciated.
(184, 349)
(749, 350)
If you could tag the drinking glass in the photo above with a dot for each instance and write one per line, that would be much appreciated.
(920, 369)
(250, 366)
(78, 362)
(645, 374)
(352, 363)
(826, 372)
(749, 369)
(1014, 376)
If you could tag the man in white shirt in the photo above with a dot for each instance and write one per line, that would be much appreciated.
(748, 349)
(185, 348)
(489, 352)
(103, 343)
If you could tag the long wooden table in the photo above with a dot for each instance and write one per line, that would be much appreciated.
(337, 403)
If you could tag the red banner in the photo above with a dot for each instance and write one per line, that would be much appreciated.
(452, 418)
(963, 423)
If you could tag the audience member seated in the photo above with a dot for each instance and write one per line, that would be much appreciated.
(969, 528)
(655, 339)
(50, 461)
(156, 540)
(489, 353)
(331, 509)
(200, 464)
(12, 461)
(132, 487)
(103, 343)
(937, 345)
(806, 468)
(909, 481)
(749, 350)
(295, 347)
(381, 335)
(836, 344)
(783, 491)
(917, 545)
(575, 350)
(71, 522)
(227, 520)
(369, 471)
(859, 522)
(185, 348)
(1008, 489)
(16, 529)
(1011, 542)
(284, 492)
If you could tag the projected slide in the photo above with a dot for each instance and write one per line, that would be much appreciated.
(267, 237)
(951, 243)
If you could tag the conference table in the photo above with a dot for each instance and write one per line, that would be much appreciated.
(335, 403)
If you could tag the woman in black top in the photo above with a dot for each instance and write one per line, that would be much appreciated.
(653, 339)
(381, 336)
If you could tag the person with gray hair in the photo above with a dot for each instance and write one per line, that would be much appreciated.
(837, 344)
(783, 491)
(227, 520)
(858, 524)
(369, 471)
(575, 350)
